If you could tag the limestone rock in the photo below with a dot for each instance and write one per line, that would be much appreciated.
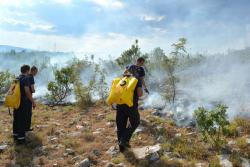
(224, 161)
(112, 151)
(84, 163)
(142, 153)
(3, 147)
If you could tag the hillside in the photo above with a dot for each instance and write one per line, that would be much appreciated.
(66, 136)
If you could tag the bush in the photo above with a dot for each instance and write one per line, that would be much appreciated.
(5, 82)
(101, 84)
(212, 124)
(83, 93)
(62, 87)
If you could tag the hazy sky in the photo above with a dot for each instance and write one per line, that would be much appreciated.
(106, 27)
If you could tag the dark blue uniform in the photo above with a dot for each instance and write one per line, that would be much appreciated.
(29, 111)
(137, 71)
(125, 113)
(20, 116)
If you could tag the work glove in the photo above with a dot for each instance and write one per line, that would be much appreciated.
(146, 90)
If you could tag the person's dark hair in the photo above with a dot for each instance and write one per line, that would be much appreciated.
(33, 69)
(25, 68)
(140, 59)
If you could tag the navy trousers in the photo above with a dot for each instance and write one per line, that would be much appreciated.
(123, 114)
(20, 120)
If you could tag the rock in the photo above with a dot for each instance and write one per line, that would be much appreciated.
(96, 152)
(56, 123)
(53, 139)
(58, 133)
(77, 158)
(191, 134)
(248, 140)
(201, 165)
(169, 154)
(231, 142)
(98, 131)
(43, 150)
(100, 116)
(142, 153)
(160, 139)
(110, 165)
(74, 134)
(120, 165)
(72, 123)
(42, 126)
(84, 163)
(154, 157)
(69, 151)
(239, 130)
(79, 127)
(170, 114)
(224, 161)
(85, 123)
(139, 129)
(112, 151)
(110, 124)
(177, 135)
(3, 147)
(157, 113)
(55, 165)
(245, 162)
(226, 150)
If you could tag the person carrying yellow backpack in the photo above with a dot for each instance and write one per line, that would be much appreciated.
(20, 91)
(125, 92)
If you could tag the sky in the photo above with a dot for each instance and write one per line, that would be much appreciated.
(108, 27)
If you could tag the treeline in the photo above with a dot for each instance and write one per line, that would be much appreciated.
(69, 80)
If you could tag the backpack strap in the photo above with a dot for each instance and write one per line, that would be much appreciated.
(9, 111)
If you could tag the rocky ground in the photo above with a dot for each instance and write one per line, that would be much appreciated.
(68, 136)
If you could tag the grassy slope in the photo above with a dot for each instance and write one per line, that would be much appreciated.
(59, 128)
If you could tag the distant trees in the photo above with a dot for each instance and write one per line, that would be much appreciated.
(130, 55)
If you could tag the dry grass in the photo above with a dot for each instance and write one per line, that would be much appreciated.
(59, 122)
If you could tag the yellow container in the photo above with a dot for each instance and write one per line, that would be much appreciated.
(122, 91)
(13, 97)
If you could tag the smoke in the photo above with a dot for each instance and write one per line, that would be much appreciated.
(212, 80)
(216, 79)
(46, 62)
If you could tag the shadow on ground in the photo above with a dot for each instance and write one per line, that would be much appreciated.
(24, 154)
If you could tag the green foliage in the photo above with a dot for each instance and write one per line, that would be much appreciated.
(101, 84)
(83, 93)
(179, 47)
(169, 90)
(170, 64)
(79, 65)
(5, 81)
(97, 83)
(130, 55)
(212, 124)
(62, 86)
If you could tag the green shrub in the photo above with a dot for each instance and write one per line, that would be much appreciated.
(62, 87)
(212, 124)
(83, 93)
